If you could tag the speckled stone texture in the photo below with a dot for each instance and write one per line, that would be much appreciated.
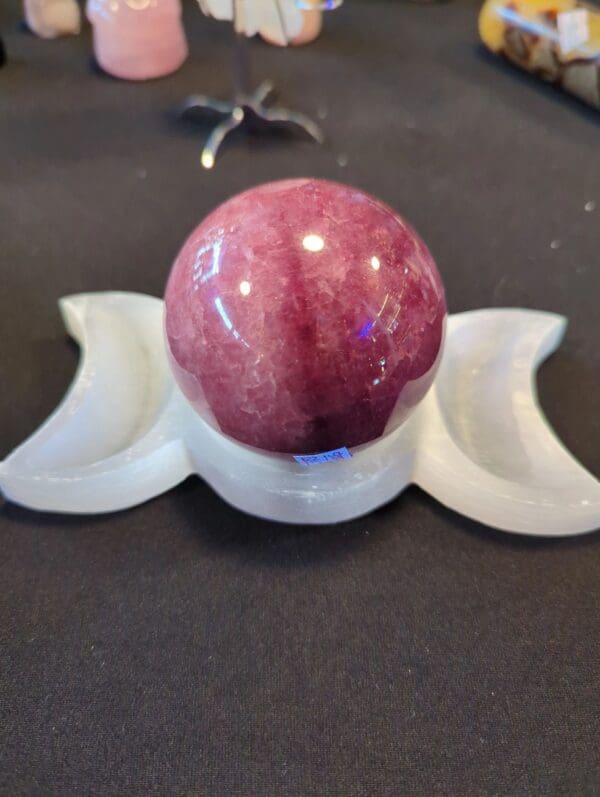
(303, 316)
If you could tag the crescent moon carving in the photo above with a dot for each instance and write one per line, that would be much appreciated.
(478, 442)
(110, 444)
(487, 450)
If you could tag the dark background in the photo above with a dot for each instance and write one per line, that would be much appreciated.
(185, 649)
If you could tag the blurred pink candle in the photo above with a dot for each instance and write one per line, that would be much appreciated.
(138, 39)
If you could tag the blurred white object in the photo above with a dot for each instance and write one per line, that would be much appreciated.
(52, 18)
(312, 24)
(478, 442)
(278, 21)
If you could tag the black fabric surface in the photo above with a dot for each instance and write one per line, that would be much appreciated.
(183, 648)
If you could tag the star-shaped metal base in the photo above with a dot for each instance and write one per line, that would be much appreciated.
(252, 111)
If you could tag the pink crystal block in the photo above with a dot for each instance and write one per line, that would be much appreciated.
(303, 316)
(138, 39)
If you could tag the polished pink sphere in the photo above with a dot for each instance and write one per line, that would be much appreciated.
(304, 316)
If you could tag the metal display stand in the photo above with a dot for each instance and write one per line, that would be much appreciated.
(249, 109)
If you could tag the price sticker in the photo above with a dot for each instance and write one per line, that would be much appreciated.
(327, 456)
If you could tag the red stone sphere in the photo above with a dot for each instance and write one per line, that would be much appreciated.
(304, 316)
